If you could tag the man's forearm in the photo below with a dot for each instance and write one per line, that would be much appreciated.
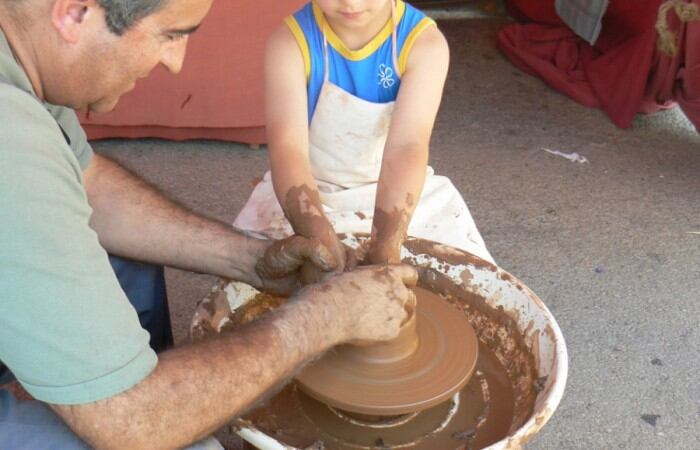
(196, 389)
(134, 220)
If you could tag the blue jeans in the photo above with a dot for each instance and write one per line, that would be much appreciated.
(144, 285)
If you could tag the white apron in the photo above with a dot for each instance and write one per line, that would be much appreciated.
(346, 144)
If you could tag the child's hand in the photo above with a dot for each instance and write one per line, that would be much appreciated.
(343, 255)
(383, 253)
(389, 233)
(281, 269)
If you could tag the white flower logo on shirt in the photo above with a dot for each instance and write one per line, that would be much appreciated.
(386, 76)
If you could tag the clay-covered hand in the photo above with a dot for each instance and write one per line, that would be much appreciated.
(344, 257)
(280, 267)
(388, 235)
(368, 304)
(383, 252)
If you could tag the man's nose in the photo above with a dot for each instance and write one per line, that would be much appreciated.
(174, 54)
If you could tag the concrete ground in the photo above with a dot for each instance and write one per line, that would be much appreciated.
(611, 246)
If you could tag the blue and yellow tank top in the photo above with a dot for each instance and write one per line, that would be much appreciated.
(367, 73)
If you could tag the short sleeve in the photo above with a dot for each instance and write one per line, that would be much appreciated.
(67, 330)
(68, 121)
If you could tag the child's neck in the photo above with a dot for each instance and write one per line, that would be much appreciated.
(357, 38)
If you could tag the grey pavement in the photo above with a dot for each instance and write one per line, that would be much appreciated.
(611, 246)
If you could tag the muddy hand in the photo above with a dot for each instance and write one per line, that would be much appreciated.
(344, 256)
(387, 251)
(371, 301)
(279, 268)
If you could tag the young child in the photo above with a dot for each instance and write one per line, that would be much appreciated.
(352, 91)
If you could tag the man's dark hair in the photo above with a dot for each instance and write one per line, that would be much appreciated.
(123, 14)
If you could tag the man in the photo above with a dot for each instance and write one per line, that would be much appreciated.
(67, 330)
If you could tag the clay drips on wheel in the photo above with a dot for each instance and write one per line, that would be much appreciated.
(497, 400)
(432, 359)
(479, 415)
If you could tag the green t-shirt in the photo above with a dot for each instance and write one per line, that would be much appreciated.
(67, 330)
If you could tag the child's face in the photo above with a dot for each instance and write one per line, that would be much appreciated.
(353, 13)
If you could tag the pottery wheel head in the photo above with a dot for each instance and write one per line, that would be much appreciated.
(422, 368)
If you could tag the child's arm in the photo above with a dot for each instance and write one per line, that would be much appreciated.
(406, 152)
(288, 142)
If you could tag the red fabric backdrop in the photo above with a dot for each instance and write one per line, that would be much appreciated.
(218, 94)
(622, 73)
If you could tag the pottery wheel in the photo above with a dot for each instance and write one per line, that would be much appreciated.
(425, 366)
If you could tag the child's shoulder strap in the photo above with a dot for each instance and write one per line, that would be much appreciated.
(413, 23)
(302, 25)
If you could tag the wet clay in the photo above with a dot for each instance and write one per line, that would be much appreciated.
(218, 318)
(497, 399)
(498, 330)
(432, 359)
(479, 415)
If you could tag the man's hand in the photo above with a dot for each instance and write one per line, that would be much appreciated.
(369, 303)
(230, 372)
(280, 267)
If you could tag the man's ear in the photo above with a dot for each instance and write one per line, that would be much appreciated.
(68, 16)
